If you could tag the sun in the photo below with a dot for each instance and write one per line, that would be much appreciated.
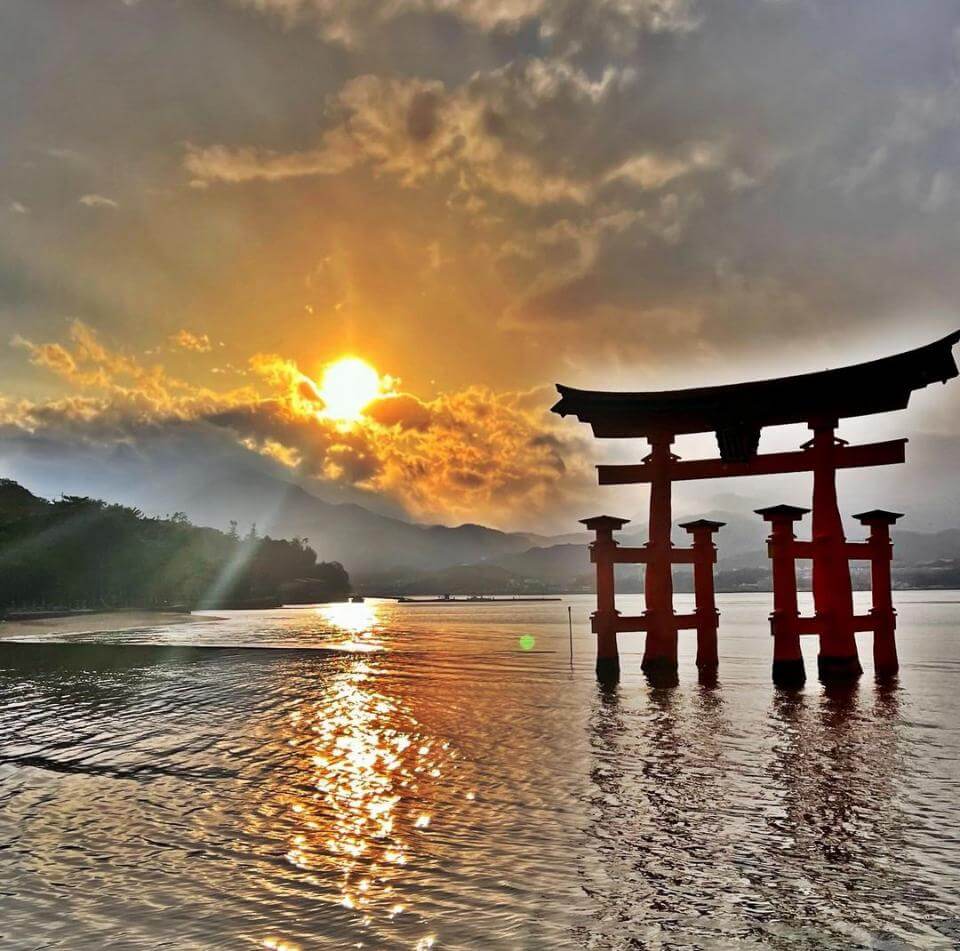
(348, 385)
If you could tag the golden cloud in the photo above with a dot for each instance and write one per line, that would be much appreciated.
(472, 454)
(400, 409)
(185, 340)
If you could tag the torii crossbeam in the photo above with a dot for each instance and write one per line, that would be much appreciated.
(736, 414)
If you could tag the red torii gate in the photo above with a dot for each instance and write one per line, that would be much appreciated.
(736, 414)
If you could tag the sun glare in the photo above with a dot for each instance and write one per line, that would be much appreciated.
(348, 385)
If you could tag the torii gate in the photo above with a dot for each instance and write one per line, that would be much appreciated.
(736, 414)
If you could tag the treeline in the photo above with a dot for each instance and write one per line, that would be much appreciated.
(81, 552)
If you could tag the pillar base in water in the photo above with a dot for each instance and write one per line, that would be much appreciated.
(661, 671)
(789, 673)
(886, 671)
(608, 669)
(839, 668)
(707, 676)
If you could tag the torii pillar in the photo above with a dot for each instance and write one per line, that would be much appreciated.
(885, 660)
(832, 587)
(708, 617)
(660, 646)
(604, 619)
(788, 669)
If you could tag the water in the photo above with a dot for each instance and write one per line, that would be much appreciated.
(425, 781)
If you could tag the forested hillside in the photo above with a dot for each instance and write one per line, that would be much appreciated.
(81, 552)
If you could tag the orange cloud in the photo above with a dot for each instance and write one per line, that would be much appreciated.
(185, 340)
(473, 454)
(120, 384)
(401, 410)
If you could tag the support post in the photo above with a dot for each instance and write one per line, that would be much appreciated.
(708, 617)
(788, 668)
(660, 647)
(832, 588)
(604, 619)
(885, 660)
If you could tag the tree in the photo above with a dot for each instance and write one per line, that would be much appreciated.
(79, 551)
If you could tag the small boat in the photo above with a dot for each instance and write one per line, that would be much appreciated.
(357, 599)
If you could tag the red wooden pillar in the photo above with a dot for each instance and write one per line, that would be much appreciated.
(885, 661)
(660, 647)
(832, 588)
(788, 669)
(708, 617)
(604, 619)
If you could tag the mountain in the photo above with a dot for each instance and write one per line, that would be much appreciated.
(550, 565)
(215, 481)
(917, 547)
(364, 541)
(921, 560)
(18, 502)
(231, 487)
(82, 552)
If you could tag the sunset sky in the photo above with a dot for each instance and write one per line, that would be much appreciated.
(205, 203)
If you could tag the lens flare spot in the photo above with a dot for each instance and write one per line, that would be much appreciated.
(527, 642)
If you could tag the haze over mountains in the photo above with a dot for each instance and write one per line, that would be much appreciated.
(235, 485)
(388, 554)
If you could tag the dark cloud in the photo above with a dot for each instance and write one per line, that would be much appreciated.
(422, 115)
(753, 168)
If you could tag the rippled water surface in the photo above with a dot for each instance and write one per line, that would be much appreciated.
(445, 777)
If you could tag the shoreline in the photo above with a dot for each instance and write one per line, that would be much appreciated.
(67, 624)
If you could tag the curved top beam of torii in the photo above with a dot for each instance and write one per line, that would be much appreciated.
(737, 412)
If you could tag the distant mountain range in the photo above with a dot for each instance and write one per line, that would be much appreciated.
(388, 555)
(366, 542)
(203, 472)
(921, 561)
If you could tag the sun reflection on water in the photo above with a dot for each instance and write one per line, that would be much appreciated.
(353, 627)
(369, 770)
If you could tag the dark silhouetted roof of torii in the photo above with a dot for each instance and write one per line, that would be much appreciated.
(875, 387)
(792, 512)
(880, 516)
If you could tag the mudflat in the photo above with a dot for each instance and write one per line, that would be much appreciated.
(65, 625)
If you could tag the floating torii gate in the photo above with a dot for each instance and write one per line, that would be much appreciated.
(736, 414)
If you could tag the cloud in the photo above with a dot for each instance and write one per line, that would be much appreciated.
(401, 410)
(500, 193)
(116, 386)
(391, 124)
(186, 340)
(97, 201)
(663, 174)
(508, 131)
(50, 356)
(464, 454)
(467, 454)
(219, 163)
(352, 23)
